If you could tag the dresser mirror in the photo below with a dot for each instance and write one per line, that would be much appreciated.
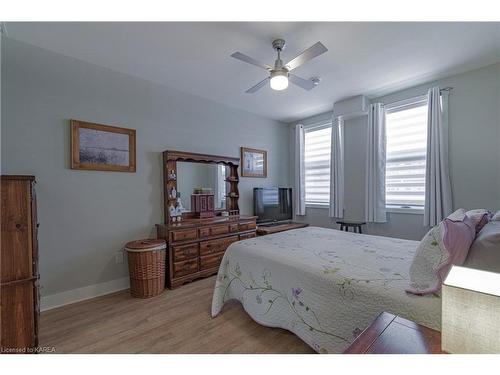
(210, 176)
(217, 175)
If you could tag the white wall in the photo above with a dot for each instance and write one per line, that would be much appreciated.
(474, 141)
(87, 216)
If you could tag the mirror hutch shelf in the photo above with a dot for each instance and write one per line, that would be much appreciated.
(197, 243)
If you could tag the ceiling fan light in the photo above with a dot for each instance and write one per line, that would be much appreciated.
(279, 81)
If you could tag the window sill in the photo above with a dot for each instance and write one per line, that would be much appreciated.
(401, 210)
(317, 205)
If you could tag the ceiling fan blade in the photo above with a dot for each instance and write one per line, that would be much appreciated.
(258, 86)
(306, 84)
(310, 53)
(250, 60)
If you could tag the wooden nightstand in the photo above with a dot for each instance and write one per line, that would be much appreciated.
(391, 334)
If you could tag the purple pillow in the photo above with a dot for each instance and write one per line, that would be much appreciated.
(457, 240)
(480, 217)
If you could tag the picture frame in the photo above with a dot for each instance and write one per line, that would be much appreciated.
(100, 147)
(253, 162)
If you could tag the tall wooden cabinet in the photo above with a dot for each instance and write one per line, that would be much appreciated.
(19, 297)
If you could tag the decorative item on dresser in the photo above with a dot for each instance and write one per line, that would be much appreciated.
(19, 266)
(196, 243)
(203, 205)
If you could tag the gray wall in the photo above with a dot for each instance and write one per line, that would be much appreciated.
(474, 150)
(87, 216)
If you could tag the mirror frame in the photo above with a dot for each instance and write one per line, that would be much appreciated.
(170, 159)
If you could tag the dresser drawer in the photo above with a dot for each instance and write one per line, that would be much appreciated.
(216, 246)
(246, 236)
(233, 227)
(204, 232)
(185, 268)
(215, 230)
(183, 235)
(210, 261)
(184, 252)
(247, 226)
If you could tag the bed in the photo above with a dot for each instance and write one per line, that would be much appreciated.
(324, 285)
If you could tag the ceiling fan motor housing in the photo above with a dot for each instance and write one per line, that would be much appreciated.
(279, 44)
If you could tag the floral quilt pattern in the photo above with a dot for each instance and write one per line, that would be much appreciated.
(324, 285)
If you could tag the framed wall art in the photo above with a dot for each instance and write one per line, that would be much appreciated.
(253, 162)
(102, 147)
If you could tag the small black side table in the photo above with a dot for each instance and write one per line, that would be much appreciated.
(346, 224)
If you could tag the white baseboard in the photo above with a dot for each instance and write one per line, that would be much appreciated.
(82, 294)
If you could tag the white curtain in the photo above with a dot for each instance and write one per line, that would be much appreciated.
(438, 199)
(337, 170)
(375, 211)
(300, 191)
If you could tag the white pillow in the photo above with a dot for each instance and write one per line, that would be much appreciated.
(429, 258)
(496, 217)
(446, 244)
(484, 254)
(458, 215)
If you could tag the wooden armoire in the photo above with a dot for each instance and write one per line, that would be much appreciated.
(19, 297)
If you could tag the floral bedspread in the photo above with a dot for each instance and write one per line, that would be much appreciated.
(324, 285)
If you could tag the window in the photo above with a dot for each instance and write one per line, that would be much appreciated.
(406, 126)
(317, 148)
(221, 185)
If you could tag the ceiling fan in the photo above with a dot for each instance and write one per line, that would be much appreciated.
(279, 75)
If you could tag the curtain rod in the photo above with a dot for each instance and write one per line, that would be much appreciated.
(446, 89)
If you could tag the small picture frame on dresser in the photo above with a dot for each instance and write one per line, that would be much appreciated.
(253, 162)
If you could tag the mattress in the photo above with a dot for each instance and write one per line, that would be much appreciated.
(324, 285)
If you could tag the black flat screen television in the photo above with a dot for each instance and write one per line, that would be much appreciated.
(272, 204)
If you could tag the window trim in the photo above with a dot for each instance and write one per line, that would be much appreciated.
(309, 128)
(408, 103)
(405, 210)
(317, 126)
(404, 104)
(318, 205)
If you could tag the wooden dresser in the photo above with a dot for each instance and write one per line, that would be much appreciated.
(196, 246)
(19, 266)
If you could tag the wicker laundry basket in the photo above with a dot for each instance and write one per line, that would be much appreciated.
(146, 264)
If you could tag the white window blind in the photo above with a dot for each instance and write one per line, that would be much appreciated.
(406, 127)
(317, 149)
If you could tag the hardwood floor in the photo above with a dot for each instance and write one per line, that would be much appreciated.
(177, 321)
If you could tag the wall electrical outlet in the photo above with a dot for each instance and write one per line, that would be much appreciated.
(119, 257)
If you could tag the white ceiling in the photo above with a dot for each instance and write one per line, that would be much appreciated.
(363, 58)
